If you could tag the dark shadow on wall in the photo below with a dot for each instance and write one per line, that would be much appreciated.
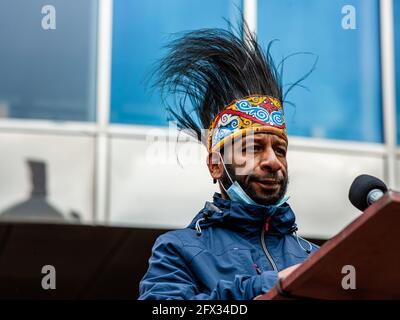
(37, 207)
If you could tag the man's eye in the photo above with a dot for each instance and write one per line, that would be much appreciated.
(252, 149)
(281, 151)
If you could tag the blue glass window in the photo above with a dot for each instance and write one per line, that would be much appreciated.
(140, 29)
(344, 101)
(48, 59)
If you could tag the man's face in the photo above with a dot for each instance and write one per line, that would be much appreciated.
(258, 163)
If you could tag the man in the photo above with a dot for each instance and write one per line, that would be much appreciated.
(241, 243)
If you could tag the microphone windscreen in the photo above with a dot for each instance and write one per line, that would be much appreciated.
(360, 188)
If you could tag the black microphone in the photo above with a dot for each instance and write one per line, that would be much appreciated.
(365, 190)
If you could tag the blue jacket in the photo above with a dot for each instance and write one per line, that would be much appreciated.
(224, 253)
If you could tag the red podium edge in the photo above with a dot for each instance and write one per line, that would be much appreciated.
(303, 271)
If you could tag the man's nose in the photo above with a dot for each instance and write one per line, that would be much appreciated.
(270, 161)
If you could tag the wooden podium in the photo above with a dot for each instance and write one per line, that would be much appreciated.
(371, 243)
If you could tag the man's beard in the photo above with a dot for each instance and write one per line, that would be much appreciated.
(246, 182)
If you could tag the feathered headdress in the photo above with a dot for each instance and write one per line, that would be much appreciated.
(221, 81)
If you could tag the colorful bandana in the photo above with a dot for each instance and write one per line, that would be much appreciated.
(256, 113)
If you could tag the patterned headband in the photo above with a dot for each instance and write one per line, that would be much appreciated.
(257, 113)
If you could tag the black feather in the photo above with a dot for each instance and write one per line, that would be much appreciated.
(204, 70)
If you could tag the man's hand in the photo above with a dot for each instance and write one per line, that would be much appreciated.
(285, 272)
(282, 275)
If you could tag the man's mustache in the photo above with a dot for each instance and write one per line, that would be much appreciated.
(273, 177)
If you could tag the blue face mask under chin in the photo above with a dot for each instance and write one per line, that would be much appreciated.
(236, 192)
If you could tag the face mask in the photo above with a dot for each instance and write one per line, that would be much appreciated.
(236, 192)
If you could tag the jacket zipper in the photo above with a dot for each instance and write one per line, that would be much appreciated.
(265, 249)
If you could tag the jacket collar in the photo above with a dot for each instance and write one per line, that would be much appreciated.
(245, 217)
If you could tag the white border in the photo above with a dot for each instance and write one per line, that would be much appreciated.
(48, 126)
(141, 132)
(388, 89)
(104, 47)
(250, 14)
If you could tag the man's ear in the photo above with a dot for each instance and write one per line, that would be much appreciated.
(215, 166)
